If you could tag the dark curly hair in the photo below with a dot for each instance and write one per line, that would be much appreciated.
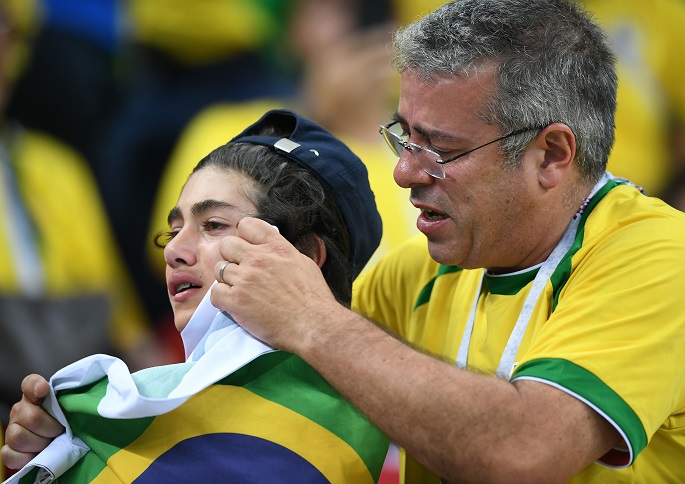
(293, 199)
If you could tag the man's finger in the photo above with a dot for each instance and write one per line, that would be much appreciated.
(221, 271)
(250, 232)
(256, 231)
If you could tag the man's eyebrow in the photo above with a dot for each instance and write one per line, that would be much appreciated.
(430, 134)
(198, 209)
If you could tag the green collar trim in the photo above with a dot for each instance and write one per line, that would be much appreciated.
(563, 270)
(510, 284)
(425, 294)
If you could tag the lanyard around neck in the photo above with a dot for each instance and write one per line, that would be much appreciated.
(506, 364)
(19, 230)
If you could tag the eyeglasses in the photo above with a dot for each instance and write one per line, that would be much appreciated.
(428, 159)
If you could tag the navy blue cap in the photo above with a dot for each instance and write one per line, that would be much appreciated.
(343, 173)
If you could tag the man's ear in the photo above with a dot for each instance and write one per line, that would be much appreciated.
(319, 251)
(558, 146)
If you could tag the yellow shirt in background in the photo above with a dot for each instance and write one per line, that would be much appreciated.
(648, 39)
(77, 249)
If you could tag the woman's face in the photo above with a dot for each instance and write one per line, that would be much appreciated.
(209, 208)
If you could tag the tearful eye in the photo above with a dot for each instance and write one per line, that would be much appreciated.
(211, 225)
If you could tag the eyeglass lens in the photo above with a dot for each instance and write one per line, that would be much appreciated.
(425, 158)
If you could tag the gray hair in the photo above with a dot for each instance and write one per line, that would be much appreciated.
(554, 65)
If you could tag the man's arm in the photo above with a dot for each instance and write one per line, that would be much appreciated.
(31, 428)
(462, 426)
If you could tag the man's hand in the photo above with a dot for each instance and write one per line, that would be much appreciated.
(270, 288)
(31, 428)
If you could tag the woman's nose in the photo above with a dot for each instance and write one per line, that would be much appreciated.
(180, 250)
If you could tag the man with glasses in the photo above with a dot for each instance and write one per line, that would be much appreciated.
(541, 333)
(554, 284)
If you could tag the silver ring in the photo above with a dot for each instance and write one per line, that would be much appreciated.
(221, 272)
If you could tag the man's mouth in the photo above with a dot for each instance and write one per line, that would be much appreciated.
(431, 215)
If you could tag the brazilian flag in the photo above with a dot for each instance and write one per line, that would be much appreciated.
(273, 420)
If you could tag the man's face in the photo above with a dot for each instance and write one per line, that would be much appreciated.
(478, 215)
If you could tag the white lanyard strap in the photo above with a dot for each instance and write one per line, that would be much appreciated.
(542, 277)
(463, 353)
(19, 230)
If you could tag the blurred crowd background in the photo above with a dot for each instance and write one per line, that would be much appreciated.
(106, 105)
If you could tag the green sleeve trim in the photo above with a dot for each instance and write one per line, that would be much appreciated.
(579, 381)
(425, 294)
